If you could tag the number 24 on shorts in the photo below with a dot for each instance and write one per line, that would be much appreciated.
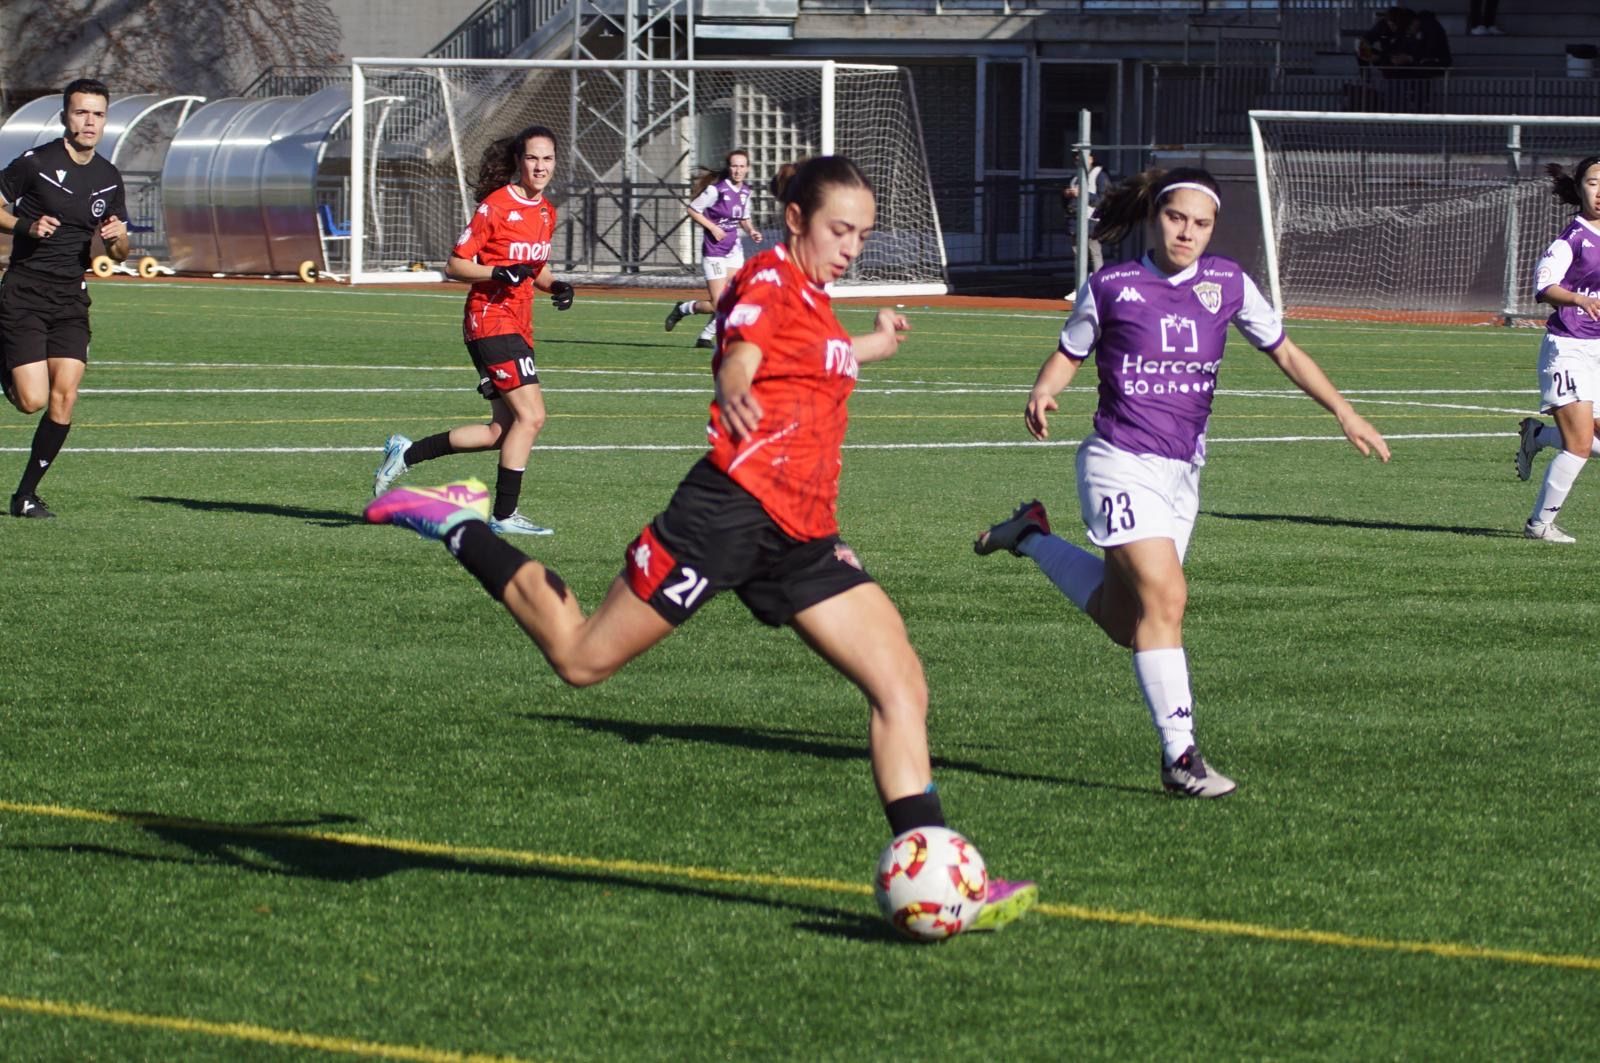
(1118, 512)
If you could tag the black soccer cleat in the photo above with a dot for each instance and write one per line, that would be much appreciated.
(31, 506)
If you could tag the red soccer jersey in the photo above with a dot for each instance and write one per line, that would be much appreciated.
(808, 369)
(507, 228)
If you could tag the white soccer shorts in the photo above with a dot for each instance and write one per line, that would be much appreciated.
(1569, 371)
(717, 269)
(1125, 497)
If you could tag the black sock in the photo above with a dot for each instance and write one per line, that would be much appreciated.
(507, 489)
(487, 556)
(918, 810)
(47, 440)
(435, 446)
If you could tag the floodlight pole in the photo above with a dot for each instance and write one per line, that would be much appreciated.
(1081, 249)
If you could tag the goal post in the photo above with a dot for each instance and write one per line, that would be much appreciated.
(631, 137)
(1425, 217)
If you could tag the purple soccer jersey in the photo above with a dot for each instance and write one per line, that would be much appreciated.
(1573, 262)
(726, 204)
(1158, 343)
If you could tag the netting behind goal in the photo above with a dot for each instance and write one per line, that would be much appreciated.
(631, 138)
(1434, 217)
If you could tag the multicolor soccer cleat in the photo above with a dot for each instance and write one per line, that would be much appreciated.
(1190, 776)
(517, 524)
(431, 512)
(393, 465)
(1008, 534)
(1527, 445)
(1005, 903)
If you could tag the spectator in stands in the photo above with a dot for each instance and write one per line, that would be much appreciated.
(1427, 42)
(1480, 18)
(1082, 206)
(1384, 45)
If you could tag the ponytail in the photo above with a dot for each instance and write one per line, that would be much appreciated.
(1135, 200)
(1564, 185)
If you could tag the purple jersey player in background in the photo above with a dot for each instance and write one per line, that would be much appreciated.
(1568, 278)
(1157, 328)
(721, 206)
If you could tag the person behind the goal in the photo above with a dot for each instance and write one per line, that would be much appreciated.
(505, 253)
(1156, 328)
(1567, 279)
(721, 206)
(757, 515)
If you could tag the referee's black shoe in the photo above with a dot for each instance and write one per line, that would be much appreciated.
(30, 506)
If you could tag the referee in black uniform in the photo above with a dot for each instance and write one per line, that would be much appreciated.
(55, 200)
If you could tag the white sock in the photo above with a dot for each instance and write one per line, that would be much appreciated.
(710, 331)
(1075, 571)
(687, 306)
(1558, 479)
(1164, 681)
(1550, 436)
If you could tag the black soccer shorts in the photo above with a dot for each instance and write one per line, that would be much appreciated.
(715, 536)
(504, 363)
(42, 318)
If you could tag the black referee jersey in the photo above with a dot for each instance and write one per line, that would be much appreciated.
(45, 181)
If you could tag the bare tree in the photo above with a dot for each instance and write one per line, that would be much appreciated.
(208, 47)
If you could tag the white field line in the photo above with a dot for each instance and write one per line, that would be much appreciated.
(601, 448)
(1456, 332)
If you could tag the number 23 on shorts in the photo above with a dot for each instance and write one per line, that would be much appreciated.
(1118, 512)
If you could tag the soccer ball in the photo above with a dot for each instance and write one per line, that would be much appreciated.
(931, 883)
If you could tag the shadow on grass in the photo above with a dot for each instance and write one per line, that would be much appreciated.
(325, 518)
(280, 848)
(1369, 525)
(801, 742)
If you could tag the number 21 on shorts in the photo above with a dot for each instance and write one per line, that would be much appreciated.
(1117, 510)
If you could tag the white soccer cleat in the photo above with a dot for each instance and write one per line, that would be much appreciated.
(1546, 531)
(1191, 776)
(1527, 445)
(517, 524)
(393, 466)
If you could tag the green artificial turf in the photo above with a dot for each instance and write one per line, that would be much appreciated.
(276, 783)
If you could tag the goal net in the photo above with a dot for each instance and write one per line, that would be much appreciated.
(1405, 216)
(632, 136)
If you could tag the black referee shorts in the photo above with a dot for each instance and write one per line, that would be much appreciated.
(42, 317)
(715, 536)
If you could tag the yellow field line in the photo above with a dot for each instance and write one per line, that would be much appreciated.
(244, 1031)
(1228, 928)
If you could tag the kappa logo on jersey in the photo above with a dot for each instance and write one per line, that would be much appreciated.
(483, 208)
(500, 374)
(528, 251)
(840, 358)
(842, 552)
(466, 234)
(743, 314)
(1129, 295)
(1210, 295)
(1586, 243)
(767, 276)
(515, 215)
(641, 557)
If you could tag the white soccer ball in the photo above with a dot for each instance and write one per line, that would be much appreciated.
(931, 883)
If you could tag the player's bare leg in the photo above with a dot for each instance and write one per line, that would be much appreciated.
(53, 386)
(861, 633)
(582, 650)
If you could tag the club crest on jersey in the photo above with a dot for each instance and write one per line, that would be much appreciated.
(98, 207)
(1210, 295)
